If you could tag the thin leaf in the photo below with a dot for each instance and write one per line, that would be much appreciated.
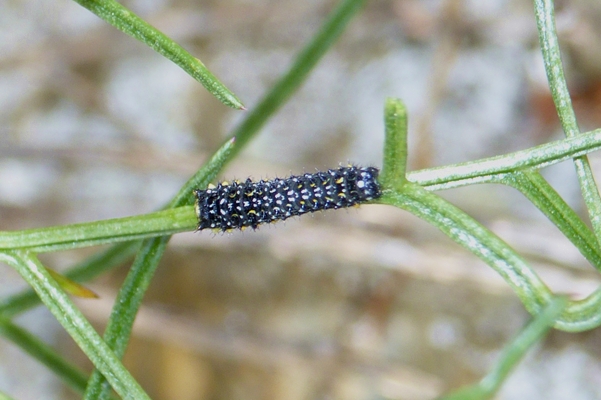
(578, 316)
(128, 22)
(476, 238)
(84, 271)
(101, 232)
(467, 173)
(546, 199)
(395, 146)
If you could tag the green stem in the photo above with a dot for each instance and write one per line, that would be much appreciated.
(464, 230)
(74, 323)
(138, 279)
(131, 294)
(578, 316)
(538, 157)
(84, 271)
(547, 33)
(101, 232)
(532, 185)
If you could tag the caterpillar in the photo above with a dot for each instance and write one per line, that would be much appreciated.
(242, 204)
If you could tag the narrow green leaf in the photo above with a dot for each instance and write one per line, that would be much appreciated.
(138, 279)
(546, 199)
(517, 349)
(547, 34)
(74, 323)
(84, 271)
(129, 23)
(476, 238)
(395, 145)
(581, 315)
(125, 309)
(467, 173)
(578, 316)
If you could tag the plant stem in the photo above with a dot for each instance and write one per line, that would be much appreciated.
(395, 146)
(463, 174)
(84, 271)
(101, 232)
(74, 323)
(532, 185)
(138, 279)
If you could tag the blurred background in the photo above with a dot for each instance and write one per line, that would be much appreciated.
(366, 303)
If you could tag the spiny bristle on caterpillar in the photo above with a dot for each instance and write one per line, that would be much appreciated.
(241, 204)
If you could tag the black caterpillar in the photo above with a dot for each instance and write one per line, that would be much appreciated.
(239, 205)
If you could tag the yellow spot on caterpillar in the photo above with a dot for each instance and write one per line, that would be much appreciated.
(211, 186)
(340, 180)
